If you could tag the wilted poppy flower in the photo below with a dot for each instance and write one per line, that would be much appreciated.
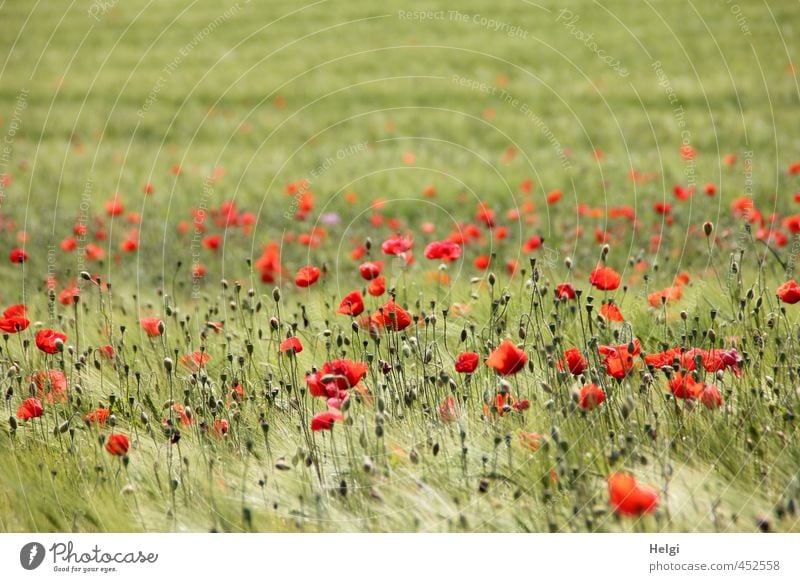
(30, 408)
(467, 362)
(573, 362)
(117, 444)
(789, 292)
(352, 304)
(447, 410)
(605, 278)
(628, 497)
(444, 250)
(152, 326)
(291, 345)
(325, 420)
(591, 396)
(507, 359)
(307, 276)
(47, 340)
(566, 291)
(392, 316)
(14, 320)
(17, 255)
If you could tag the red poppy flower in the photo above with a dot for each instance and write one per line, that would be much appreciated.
(117, 444)
(221, 427)
(668, 295)
(47, 340)
(611, 312)
(565, 291)
(67, 296)
(685, 386)
(291, 345)
(710, 397)
(532, 244)
(98, 416)
(50, 386)
(714, 360)
(605, 278)
(628, 497)
(591, 396)
(195, 360)
(507, 359)
(482, 262)
(530, 440)
(30, 408)
(574, 362)
(618, 360)
(396, 245)
(325, 420)
(444, 250)
(377, 287)
(467, 362)
(352, 304)
(392, 315)
(554, 196)
(789, 292)
(307, 276)
(666, 358)
(370, 270)
(17, 255)
(152, 326)
(14, 320)
(344, 373)
(114, 207)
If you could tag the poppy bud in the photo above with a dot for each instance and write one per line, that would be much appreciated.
(168, 365)
(568, 263)
(604, 251)
(708, 228)
(274, 323)
(276, 294)
(492, 279)
(85, 275)
(12, 423)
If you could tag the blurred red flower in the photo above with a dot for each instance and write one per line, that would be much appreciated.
(628, 497)
(507, 359)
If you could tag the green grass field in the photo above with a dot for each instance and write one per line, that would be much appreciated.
(415, 114)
